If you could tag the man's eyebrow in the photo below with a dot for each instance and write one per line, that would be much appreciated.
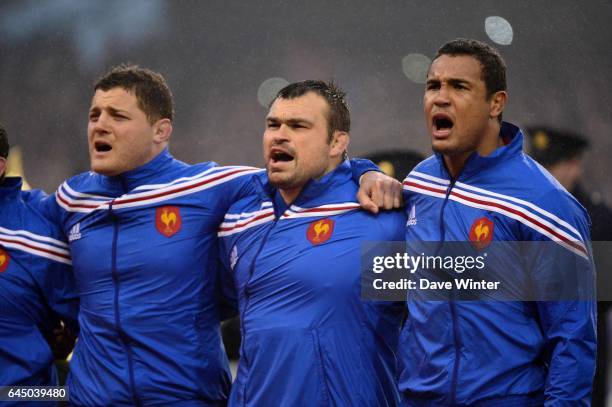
(110, 109)
(292, 121)
(113, 110)
(459, 81)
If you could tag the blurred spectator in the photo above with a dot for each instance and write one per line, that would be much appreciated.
(561, 152)
(396, 163)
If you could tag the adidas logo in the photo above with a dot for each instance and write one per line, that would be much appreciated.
(412, 220)
(75, 233)
(234, 257)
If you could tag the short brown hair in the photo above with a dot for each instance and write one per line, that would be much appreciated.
(152, 92)
(338, 117)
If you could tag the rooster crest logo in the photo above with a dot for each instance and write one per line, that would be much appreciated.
(4, 260)
(168, 220)
(481, 232)
(320, 231)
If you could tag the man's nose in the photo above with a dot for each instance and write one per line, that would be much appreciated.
(100, 125)
(442, 96)
(282, 134)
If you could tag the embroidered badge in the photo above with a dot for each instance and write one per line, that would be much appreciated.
(4, 260)
(320, 231)
(168, 220)
(481, 232)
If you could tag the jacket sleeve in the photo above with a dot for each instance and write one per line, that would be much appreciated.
(45, 204)
(232, 184)
(564, 280)
(228, 298)
(58, 285)
(60, 291)
(360, 166)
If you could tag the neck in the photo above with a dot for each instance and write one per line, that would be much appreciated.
(489, 143)
(290, 194)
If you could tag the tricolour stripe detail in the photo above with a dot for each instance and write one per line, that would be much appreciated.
(34, 236)
(244, 215)
(156, 195)
(429, 177)
(163, 194)
(460, 185)
(77, 205)
(528, 204)
(318, 211)
(36, 248)
(193, 177)
(520, 214)
(254, 219)
(74, 194)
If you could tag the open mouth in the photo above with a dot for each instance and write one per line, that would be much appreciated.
(102, 147)
(442, 122)
(280, 156)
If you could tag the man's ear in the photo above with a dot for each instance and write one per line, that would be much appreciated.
(163, 130)
(340, 143)
(497, 104)
(2, 166)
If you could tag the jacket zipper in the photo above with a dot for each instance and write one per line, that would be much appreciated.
(121, 333)
(452, 305)
(246, 301)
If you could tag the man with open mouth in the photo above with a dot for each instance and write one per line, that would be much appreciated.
(479, 187)
(141, 227)
(293, 249)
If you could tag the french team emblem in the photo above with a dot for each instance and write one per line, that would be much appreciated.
(320, 231)
(481, 232)
(168, 220)
(4, 260)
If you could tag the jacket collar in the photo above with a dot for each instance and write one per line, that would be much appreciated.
(10, 188)
(513, 146)
(314, 190)
(145, 174)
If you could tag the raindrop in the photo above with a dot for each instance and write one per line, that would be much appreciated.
(268, 90)
(499, 30)
(415, 67)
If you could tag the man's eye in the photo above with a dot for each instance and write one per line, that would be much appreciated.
(272, 125)
(432, 86)
(93, 117)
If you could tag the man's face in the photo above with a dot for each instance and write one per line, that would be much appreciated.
(119, 134)
(456, 107)
(295, 142)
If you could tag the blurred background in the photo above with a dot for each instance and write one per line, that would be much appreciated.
(224, 61)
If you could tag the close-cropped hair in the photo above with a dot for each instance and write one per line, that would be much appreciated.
(493, 65)
(338, 118)
(150, 88)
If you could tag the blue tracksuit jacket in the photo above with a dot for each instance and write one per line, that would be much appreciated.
(144, 251)
(488, 352)
(145, 255)
(307, 337)
(36, 287)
